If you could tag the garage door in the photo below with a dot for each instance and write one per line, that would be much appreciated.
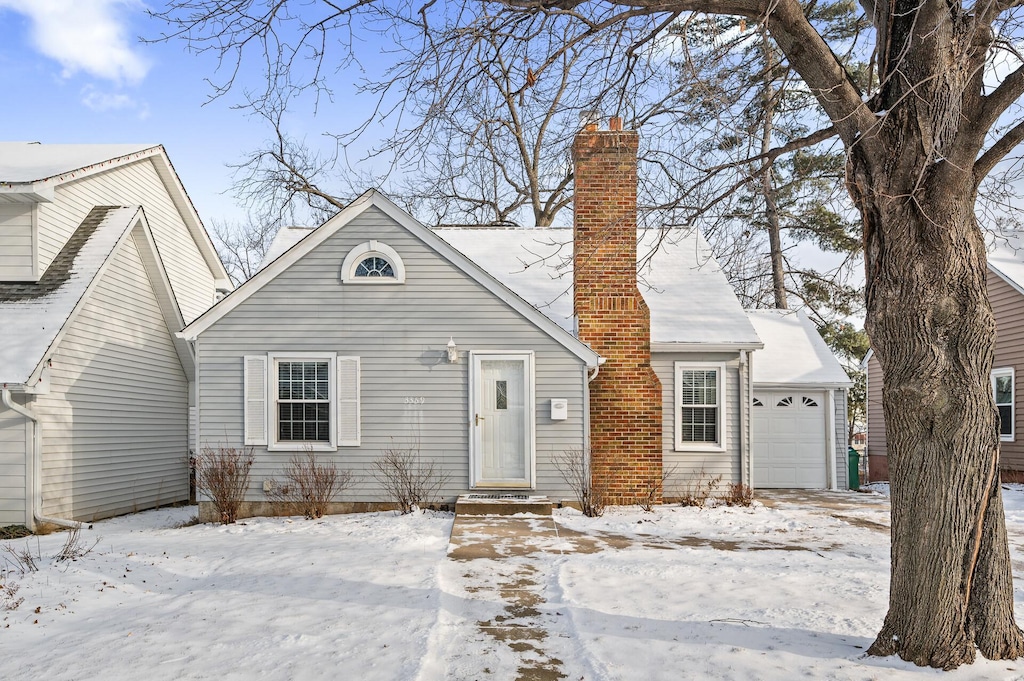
(789, 439)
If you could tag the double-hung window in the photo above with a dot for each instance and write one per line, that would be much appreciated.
(303, 400)
(296, 401)
(1003, 392)
(700, 406)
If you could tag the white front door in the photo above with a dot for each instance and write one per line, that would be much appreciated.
(502, 420)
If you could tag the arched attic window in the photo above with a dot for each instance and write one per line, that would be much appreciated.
(373, 262)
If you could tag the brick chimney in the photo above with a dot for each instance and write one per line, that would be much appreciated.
(625, 398)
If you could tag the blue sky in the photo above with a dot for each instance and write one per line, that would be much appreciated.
(75, 71)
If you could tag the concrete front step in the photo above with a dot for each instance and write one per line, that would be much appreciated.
(501, 504)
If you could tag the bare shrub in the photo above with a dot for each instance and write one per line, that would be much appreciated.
(739, 494)
(701, 488)
(309, 485)
(408, 480)
(74, 546)
(222, 474)
(9, 596)
(24, 561)
(654, 488)
(574, 466)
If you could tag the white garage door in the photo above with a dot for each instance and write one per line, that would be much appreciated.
(789, 439)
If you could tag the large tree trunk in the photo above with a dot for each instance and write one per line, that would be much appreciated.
(932, 330)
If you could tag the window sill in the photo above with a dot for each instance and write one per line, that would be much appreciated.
(1006, 438)
(373, 281)
(301, 447)
(699, 447)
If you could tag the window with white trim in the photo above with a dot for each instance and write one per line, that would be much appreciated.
(700, 406)
(303, 401)
(373, 262)
(295, 401)
(1003, 393)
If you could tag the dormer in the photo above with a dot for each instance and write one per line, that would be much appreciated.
(46, 190)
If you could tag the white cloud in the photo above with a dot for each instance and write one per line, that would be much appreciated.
(98, 100)
(85, 35)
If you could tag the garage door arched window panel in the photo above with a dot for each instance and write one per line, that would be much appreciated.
(1003, 390)
(700, 406)
(808, 402)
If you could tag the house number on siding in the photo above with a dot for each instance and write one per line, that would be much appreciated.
(415, 400)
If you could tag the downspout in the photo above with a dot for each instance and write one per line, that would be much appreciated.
(35, 467)
(830, 424)
(745, 464)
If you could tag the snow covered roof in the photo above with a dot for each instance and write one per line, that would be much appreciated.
(1006, 258)
(27, 162)
(32, 314)
(690, 299)
(794, 352)
(285, 238)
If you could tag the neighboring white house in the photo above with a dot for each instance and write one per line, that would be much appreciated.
(102, 259)
(800, 390)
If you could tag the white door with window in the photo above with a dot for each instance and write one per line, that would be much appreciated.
(790, 447)
(501, 420)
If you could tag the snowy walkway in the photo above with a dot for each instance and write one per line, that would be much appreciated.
(501, 596)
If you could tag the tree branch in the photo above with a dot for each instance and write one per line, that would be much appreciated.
(998, 151)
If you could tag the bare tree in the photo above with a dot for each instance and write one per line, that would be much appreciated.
(918, 149)
(241, 247)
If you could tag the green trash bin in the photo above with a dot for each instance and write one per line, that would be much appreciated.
(854, 457)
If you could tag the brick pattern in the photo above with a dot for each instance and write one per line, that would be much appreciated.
(625, 398)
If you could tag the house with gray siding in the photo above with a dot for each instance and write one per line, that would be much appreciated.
(102, 260)
(492, 352)
(1005, 283)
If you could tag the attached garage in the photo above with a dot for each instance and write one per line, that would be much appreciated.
(798, 415)
(790, 446)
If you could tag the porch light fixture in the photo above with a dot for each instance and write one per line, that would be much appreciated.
(453, 351)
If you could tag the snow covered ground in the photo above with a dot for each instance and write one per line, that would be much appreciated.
(786, 591)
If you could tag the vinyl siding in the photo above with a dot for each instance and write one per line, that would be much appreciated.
(14, 437)
(690, 466)
(399, 332)
(876, 420)
(115, 420)
(133, 184)
(1008, 308)
(16, 254)
(842, 443)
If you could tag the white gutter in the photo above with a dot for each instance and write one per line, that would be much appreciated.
(34, 468)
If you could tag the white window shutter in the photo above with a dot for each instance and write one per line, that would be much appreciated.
(348, 402)
(255, 399)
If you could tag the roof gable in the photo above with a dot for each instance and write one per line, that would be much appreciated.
(29, 171)
(311, 239)
(35, 316)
